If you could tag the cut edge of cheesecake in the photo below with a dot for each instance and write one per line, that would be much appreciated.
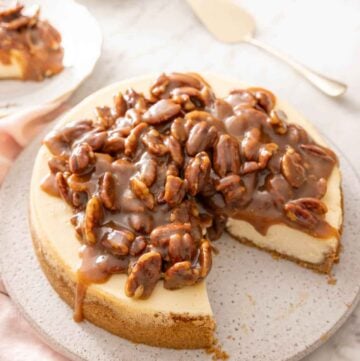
(176, 319)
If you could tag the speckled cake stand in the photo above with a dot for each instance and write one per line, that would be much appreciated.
(265, 309)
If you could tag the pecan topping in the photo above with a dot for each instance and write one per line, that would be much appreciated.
(152, 181)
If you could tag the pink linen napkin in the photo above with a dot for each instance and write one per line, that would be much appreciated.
(18, 340)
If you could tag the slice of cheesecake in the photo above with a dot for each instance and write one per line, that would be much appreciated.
(305, 231)
(30, 48)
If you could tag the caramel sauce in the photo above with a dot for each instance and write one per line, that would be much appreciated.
(166, 185)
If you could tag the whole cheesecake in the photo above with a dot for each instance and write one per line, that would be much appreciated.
(126, 202)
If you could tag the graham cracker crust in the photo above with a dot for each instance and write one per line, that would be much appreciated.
(178, 331)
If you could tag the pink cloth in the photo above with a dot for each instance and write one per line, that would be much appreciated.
(18, 340)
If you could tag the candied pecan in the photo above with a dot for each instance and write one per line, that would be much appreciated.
(153, 140)
(265, 153)
(11, 11)
(205, 258)
(178, 130)
(313, 205)
(175, 190)
(190, 98)
(160, 235)
(297, 134)
(278, 121)
(57, 164)
(141, 191)
(114, 144)
(148, 171)
(181, 247)
(93, 219)
(265, 99)
(74, 130)
(138, 246)
(144, 275)
(241, 97)
(161, 111)
(184, 211)
(96, 140)
(131, 142)
(319, 152)
(188, 79)
(226, 155)
(132, 118)
(231, 188)
(175, 149)
(197, 173)
(250, 143)
(105, 116)
(141, 222)
(132, 204)
(179, 275)
(249, 167)
(78, 183)
(118, 241)
(120, 105)
(159, 87)
(82, 159)
(108, 191)
(299, 214)
(201, 137)
(292, 168)
(135, 100)
(63, 187)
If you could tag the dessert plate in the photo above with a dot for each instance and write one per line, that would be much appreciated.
(81, 39)
(265, 309)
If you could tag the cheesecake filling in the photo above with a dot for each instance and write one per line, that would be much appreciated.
(30, 48)
(153, 180)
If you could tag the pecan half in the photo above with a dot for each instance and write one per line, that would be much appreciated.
(148, 171)
(178, 130)
(175, 150)
(278, 121)
(231, 188)
(93, 219)
(132, 140)
(197, 173)
(226, 155)
(299, 214)
(181, 247)
(141, 191)
(153, 140)
(292, 168)
(120, 105)
(175, 189)
(138, 246)
(144, 275)
(63, 188)
(118, 241)
(265, 99)
(319, 152)
(202, 136)
(179, 275)
(161, 112)
(105, 116)
(160, 236)
(82, 159)
(314, 205)
(107, 191)
(205, 258)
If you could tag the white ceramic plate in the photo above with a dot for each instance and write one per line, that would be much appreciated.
(82, 40)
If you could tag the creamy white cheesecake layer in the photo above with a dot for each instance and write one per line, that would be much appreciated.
(12, 70)
(50, 217)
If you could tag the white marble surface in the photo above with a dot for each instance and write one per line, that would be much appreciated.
(147, 36)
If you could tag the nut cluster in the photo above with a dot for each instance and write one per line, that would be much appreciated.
(12, 18)
(153, 179)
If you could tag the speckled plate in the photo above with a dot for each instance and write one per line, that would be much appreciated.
(81, 39)
(265, 309)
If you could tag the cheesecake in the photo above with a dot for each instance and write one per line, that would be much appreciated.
(132, 188)
(30, 48)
